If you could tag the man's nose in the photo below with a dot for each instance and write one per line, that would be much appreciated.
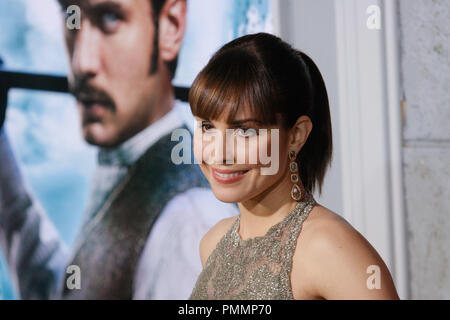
(86, 58)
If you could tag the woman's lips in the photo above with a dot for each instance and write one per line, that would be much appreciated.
(228, 176)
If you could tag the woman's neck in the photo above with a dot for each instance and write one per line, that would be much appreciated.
(265, 210)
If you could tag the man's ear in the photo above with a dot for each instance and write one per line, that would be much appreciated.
(172, 25)
(299, 133)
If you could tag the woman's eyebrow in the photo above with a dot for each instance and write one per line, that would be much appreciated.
(239, 122)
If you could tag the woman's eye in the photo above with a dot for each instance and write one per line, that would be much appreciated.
(245, 132)
(207, 126)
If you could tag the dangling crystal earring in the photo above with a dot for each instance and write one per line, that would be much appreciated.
(296, 191)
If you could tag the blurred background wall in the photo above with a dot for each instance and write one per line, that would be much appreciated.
(425, 71)
(389, 93)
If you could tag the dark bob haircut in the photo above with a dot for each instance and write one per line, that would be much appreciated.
(275, 82)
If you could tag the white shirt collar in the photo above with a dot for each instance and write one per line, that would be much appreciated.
(129, 151)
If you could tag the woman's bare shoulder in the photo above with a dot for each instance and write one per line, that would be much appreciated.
(325, 231)
(213, 236)
(337, 258)
(323, 221)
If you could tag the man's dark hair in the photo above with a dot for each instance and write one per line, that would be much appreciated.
(157, 6)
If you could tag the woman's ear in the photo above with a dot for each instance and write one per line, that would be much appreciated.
(172, 25)
(299, 133)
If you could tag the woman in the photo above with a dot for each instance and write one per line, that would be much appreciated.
(282, 245)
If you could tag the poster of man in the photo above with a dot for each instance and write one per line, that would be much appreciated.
(96, 209)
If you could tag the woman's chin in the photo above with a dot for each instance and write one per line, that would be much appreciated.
(229, 196)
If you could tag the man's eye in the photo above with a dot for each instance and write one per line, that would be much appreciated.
(110, 21)
(245, 132)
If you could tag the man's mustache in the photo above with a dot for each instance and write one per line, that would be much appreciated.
(87, 93)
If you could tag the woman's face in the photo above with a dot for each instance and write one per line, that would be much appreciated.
(242, 159)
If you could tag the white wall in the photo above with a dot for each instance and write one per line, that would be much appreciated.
(425, 57)
(361, 71)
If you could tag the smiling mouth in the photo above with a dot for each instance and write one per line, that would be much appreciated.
(228, 176)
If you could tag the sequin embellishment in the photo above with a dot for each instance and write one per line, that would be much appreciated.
(257, 268)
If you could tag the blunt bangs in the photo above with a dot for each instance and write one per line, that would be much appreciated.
(231, 83)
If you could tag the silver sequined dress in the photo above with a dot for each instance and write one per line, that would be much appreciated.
(256, 268)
